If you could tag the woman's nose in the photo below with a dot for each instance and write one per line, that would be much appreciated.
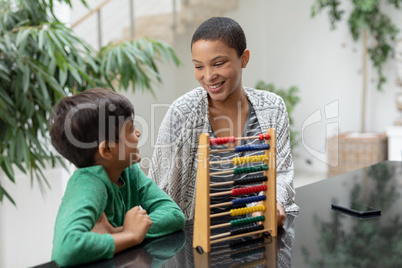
(210, 74)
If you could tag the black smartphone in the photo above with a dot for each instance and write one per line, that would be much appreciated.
(357, 209)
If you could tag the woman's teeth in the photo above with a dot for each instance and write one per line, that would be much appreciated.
(216, 86)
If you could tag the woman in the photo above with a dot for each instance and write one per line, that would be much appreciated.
(222, 107)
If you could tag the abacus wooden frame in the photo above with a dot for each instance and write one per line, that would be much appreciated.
(202, 217)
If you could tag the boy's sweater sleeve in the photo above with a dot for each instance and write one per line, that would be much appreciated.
(165, 214)
(82, 205)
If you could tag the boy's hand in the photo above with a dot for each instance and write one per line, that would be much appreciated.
(137, 222)
(102, 226)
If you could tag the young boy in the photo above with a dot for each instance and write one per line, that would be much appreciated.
(109, 204)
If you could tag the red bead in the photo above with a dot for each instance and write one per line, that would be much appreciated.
(261, 137)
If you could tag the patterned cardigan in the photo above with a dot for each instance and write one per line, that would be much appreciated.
(174, 162)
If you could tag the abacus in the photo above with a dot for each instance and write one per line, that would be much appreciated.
(202, 238)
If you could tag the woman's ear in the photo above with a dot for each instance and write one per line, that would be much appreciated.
(105, 150)
(245, 57)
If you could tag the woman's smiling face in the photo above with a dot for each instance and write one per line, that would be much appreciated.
(218, 68)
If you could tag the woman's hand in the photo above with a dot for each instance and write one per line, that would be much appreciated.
(280, 214)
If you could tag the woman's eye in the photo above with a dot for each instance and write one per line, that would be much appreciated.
(198, 67)
(219, 63)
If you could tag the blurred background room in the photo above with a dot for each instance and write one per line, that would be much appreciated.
(340, 82)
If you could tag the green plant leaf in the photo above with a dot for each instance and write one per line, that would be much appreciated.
(7, 168)
(21, 37)
(367, 16)
(42, 60)
(42, 38)
(25, 79)
(3, 193)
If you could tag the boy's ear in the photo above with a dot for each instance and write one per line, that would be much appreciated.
(105, 150)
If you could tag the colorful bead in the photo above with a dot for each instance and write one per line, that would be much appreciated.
(221, 140)
(249, 159)
(249, 179)
(248, 220)
(246, 229)
(247, 200)
(263, 136)
(250, 169)
(242, 211)
(248, 190)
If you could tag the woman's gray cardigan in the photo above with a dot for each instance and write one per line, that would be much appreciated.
(174, 162)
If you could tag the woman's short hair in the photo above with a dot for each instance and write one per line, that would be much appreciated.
(222, 29)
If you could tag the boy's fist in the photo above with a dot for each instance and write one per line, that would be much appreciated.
(137, 222)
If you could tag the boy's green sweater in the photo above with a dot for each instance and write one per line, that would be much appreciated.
(89, 193)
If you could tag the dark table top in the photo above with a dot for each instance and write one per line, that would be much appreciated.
(317, 236)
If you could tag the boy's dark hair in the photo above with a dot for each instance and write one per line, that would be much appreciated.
(81, 122)
(222, 29)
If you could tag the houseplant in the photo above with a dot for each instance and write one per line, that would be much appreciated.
(41, 61)
(366, 20)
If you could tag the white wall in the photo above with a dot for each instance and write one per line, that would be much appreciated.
(26, 230)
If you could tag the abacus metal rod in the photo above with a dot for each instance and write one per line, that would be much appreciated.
(233, 182)
(220, 193)
(247, 138)
(220, 225)
(220, 235)
(222, 150)
(221, 204)
(221, 162)
(221, 183)
(219, 214)
(221, 172)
